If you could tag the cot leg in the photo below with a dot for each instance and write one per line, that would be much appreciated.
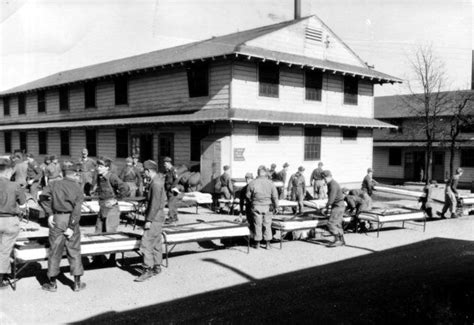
(403, 224)
(424, 224)
(166, 252)
(378, 229)
(13, 282)
(248, 244)
(281, 239)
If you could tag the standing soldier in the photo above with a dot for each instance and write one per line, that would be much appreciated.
(138, 166)
(427, 199)
(317, 181)
(368, 183)
(451, 194)
(263, 196)
(171, 181)
(33, 177)
(12, 200)
(244, 203)
(20, 170)
(131, 176)
(88, 168)
(281, 176)
(272, 172)
(62, 201)
(297, 188)
(53, 171)
(151, 245)
(335, 209)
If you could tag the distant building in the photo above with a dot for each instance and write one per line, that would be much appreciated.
(399, 154)
(290, 92)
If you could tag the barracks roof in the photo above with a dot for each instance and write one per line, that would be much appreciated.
(231, 44)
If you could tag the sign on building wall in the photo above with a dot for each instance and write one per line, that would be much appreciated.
(239, 154)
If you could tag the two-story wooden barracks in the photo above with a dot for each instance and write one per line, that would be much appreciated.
(290, 92)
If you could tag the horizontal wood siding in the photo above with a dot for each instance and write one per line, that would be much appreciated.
(292, 93)
(383, 169)
(154, 92)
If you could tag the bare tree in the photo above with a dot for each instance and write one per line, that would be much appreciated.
(427, 100)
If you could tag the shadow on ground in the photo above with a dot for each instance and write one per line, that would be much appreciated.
(426, 282)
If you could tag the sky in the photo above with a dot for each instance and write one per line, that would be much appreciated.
(42, 37)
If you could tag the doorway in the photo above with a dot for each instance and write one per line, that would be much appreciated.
(414, 166)
(438, 166)
(210, 163)
(142, 145)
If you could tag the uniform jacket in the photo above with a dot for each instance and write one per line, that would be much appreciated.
(171, 179)
(316, 175)
(20, 171)
(53, 171)
(34, 172)
(88, 167)
(368, 184)
(261, 192)
(226, 181)
(110, 186)
(11, 196)
(452, 185)
(156, 198)
(130, 174)
(335, 196)
(297, 181)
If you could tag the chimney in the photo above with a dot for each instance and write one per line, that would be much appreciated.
(297, 9)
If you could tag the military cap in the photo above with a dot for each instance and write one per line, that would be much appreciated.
(167, 159)
(70, 167)
(150, 164)
(249, 175)
(30, 155)
(18, 155)
(226, 167)
(273, 166)
(53, 157)
(46, 159)
(459, 170)
(129, 160)
(6, 162)
(301, 169)
(326, 173)
(345, 189)
(104, 161)
(286, 165)
(370, 170)
(262, 167)
(135, 156)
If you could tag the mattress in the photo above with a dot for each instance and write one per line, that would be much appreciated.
(204, 230)
(37, 249)
(392, 215)
(287, 203)
(198, 198)
(291, 223)
(400, 191)
(278, 184)
(92, 207)
(468, 200)
(315, 204)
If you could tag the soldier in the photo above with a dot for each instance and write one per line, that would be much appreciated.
(151, 245)
(131, 176)
(33, 177)
(62, 201)
(335, 209)
(272, 172)
(281, 176)
(138, 166)
(244, 203)
(297, 188)
(368, 183)
(88, 168)
(53, 171)
(171, 181)
(427, 199)
(12, 201)
(317, 181)
(20, 170)
(356, 201)
(451, 194)
(227, 189)
(263, 196)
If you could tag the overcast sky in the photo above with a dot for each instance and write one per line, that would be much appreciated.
(41, 37)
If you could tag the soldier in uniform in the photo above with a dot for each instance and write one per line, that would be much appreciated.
(427, 199)
(281, 176)
(171, 181)
(151, 245)
(317, 181)
(244, 203)
(33, 177)
(272, 172)
(451, 194)
(12, 201)
(297, 188)
(263, 198)
(368, 182)
(53, 171)
(62, 201)
(335, 209)
(88, 168)
(131, 176)
(20, 170)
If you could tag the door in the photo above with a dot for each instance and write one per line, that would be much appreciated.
(414, 166)
(409, 165)
(438, 166)
(210, 163)
(165, 148)
(146, 147)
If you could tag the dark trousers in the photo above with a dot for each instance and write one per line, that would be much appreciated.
(33, 188)
(151, 245)
(262, 222)
(172, 206)
(335, 221)
(297, 194)
(57, 243)
(9, 230)
(108, 219)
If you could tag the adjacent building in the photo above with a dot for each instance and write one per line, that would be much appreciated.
(289, 92)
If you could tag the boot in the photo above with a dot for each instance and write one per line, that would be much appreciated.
(156, 269)
(3, 282)
(267, 245)
(339, 241)
(78, 285)
(147, 273)
(256, 244)
(50, 286)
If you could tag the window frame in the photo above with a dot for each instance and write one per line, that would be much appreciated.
(268, 85)
(397, 160)
(64, 98)
(122, 146)
(350, 98)
(43, 144)
(198, 85)
(65, 146)
(309, 152)
(311, 84)
(6, 105)
(22, 104)
(121, 82)
(41, 101)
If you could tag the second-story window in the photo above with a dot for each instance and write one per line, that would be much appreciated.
(90, 94)
(42, 142)
(41, 101)
(268, 79)
(351, 89)
(21, 104)
(64, 98)
(198, 80)
(349, 134)
(313, 85)
(6, 106)
(121, 91)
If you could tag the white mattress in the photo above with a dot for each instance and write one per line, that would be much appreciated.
(315, 204)
(468, 200)
(296, 224)
(198, 197)
(400, 191)
(392, 215)
(287, 203)
(92, 207)
(203, 231)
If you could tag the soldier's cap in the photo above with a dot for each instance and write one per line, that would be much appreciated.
(18, 155)
(53, 157)
(320, 163)
(129, 160)
(301, 169)
(135, 156)
(286, 165)
(326, 173)
(261, 167)
(370, 170)
(345, 189)
(249, 175)
(273, 166)
(226, 167)
(6, 162)
(433, 182)
(30, 155)
(47, 158)
(150, 164)
(104, 161)
(459, 170)
(167, 159)
(69, 167)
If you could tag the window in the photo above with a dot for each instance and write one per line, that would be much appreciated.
(89, 94)
(21, 104)
(198, 80)
(64, 137)
(350, 90)
(165, 146)
(6, 106)
(42, 142)
(121, 91)
(467, 128)
(467, 157)
(91, 142)
(268, 79)
(7, 138)
(349, 134)
(63, 98)
(268, 133)
(23, 146)
(312, 143)
(395, 156)
(313, 85)
(197, 134)
(121, 136)
(41, 101)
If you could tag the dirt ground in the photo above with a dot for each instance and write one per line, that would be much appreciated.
(405, 275)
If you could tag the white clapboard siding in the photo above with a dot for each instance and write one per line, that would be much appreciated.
(381, 166)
